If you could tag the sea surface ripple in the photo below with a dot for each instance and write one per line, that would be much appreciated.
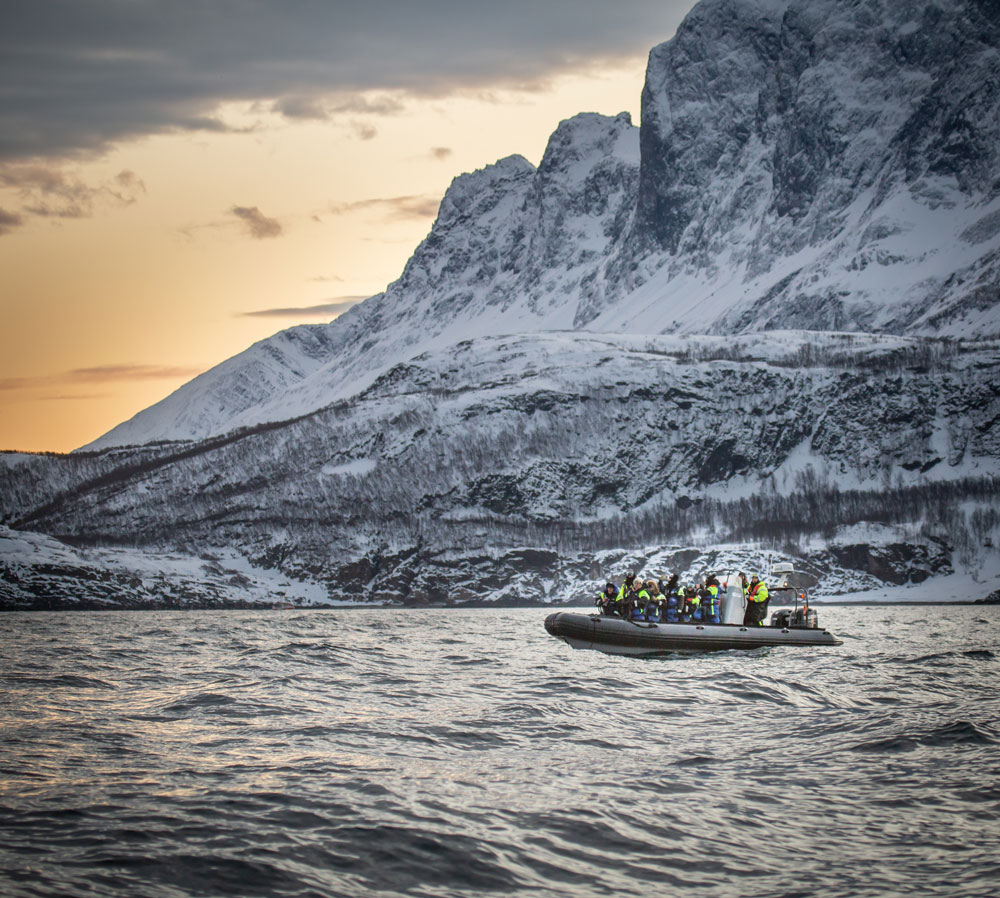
(467, 752)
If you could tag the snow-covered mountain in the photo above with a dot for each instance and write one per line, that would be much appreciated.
(810, 164)
(513, 462)
(770, 316)
(821, 165)
(513, 249)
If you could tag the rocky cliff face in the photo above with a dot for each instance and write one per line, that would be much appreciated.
(813, 165)
(819, 165)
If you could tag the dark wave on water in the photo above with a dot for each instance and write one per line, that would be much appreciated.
(458, 753)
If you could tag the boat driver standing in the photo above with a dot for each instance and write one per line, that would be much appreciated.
(757, 601)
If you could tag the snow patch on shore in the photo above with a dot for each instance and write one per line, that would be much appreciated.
(128, 577)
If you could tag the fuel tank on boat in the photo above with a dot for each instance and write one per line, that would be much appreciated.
(622, 637)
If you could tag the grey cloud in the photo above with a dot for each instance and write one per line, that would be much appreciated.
(80, 76)
(364, 130)
(398, 207)
(100, 374)
(329, 105)
(259, 226)
(325, 309)
(9, 221)
(300, 107)
(46, 190)
(129, 184)
(380, 105)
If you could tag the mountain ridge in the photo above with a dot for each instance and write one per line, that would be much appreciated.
(514, 459)
(769, 315)
(803, 165)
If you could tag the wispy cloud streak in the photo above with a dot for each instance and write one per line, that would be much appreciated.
(258, 225)
(395, 207)
(100, 374)
(325, 309)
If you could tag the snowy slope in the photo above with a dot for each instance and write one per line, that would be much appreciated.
(214, 400)
(513, 248)
(825, 165)
(37, 571)
(805, 164)
(506, 460)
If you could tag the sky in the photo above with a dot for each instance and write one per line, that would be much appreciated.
(182, 178)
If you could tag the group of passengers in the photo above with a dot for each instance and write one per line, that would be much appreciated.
(670, 601)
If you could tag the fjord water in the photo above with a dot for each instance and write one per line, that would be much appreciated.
(466, 752)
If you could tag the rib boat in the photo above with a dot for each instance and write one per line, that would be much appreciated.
(616, 636)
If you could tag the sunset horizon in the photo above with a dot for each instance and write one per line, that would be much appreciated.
(150, 243)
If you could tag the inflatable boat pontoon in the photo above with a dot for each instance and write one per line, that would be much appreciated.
(624, 637)
(617, 636)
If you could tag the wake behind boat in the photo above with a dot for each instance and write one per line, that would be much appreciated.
(658, 628)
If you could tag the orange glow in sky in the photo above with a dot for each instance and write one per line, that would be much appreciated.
(164, 216)
(107, 312)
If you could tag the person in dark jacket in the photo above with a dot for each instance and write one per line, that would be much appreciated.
(637, 599)
(608, 599)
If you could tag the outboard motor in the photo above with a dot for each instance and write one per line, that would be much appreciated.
(805, 618)
(782, 618)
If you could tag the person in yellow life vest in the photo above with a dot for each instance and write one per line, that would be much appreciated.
(606, 600)
(626, 586)
(653, 605)
(688, 603)
(757, 601)
(710, 606)
(638, 599)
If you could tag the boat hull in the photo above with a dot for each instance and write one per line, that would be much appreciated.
(620, 637)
